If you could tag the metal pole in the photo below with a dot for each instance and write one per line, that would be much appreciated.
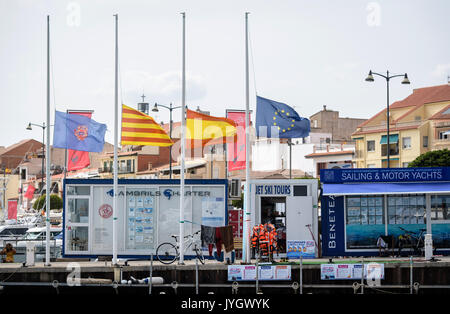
(246, 235)
(387, 121)
(183, 127)
(170, 147)
(116, 143)
(410, 275)
(290, 158)
(196, 276)
(301, 274)
(151, 274)
(362, 277)
(43, 155)
(48, 178)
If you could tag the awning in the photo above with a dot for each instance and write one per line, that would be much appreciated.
(385, 188)
(393, 138)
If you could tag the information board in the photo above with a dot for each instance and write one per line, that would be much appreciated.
(265, 272)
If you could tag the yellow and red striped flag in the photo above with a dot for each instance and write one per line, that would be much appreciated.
(203, 129)
(140, 129)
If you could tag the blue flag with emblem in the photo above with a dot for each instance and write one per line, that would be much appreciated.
(78, 132)
(275, 119)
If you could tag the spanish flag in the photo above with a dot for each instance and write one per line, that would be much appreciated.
(202, 129)
(140, 129)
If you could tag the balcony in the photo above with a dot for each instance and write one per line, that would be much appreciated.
(122, 170)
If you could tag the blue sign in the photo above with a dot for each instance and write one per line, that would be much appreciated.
(333, 222)
(378, 175)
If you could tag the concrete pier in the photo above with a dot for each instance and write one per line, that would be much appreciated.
(427, 277)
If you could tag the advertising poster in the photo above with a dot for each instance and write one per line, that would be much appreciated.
(236, 150)
(300, 248)
(212, 211)
(265, 272)
(344, 271)
(351, 271)
(327, 271)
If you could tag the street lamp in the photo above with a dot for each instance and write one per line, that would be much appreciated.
(170, 108)
(387, 77)
(43, 132)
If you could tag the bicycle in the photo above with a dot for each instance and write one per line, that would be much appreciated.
(413, 241)
(167, 252)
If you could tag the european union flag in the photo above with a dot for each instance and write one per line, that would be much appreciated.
(275, 119)
(73, 131)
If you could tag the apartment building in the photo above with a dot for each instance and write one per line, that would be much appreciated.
(417, 124)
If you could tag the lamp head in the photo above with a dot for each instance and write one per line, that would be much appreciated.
(405, 79)
(369, 77)
(29, 126)
(155, 108)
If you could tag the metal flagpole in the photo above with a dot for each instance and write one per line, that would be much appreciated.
(247, 217)
(183, 139)
(47, 153)
(116, 113)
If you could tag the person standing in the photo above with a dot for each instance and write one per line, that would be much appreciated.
(9, 251)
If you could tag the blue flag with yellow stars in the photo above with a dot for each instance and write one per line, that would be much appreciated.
(275, 119)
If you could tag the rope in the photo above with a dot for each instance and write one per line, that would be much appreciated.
(17, 269)
(253, 64)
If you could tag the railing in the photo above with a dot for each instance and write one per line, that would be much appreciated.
(296, 287)
(121, 169)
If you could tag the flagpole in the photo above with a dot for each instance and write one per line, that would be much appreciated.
(247, 213)
(116, 119)
(183, 139)
(47, 155)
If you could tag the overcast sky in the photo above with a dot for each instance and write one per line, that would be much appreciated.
(305, 53)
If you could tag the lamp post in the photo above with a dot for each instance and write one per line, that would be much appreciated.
(170, 108)
(43, 145)
(387, 77)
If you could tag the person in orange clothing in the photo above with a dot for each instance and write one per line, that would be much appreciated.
(9, 251)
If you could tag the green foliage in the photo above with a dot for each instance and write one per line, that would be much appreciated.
(436, 158)
(239, 203)
(55, 202)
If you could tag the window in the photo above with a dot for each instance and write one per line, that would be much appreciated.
(425, 141)
(371, 166)
(370, 146)
(393, 149)
(365, 210)
(443, 135)
(408, 209)
(405, 164)
(406, 142)
(439, 207)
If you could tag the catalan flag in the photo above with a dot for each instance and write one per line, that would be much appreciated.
(140, 129)
(203, 129)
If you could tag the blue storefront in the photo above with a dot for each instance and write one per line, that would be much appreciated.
(360, 205)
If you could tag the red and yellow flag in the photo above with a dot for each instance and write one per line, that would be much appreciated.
(140, 129)
(202, 129)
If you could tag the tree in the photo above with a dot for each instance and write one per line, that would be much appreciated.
(55, 202)
(435, 158)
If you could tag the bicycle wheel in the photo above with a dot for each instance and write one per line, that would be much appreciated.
(167, 253)
(199, 253)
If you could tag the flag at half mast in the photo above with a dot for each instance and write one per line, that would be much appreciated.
(140, 129)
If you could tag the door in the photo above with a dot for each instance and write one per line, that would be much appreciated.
(299, 214)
